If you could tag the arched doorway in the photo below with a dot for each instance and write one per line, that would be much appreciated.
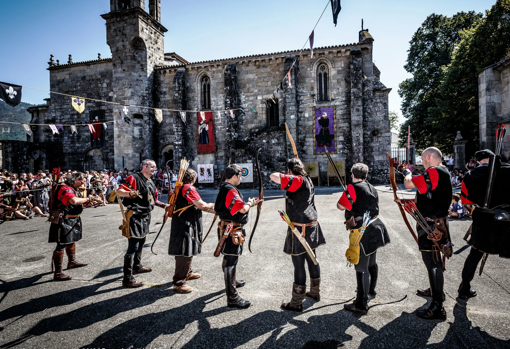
(93, 160)
(167, 155)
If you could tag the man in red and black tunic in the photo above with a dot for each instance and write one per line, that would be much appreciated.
(186, 234)
(69, 229)
(300, 207)
(491, 230)
(433, 198)
(362, 197)
(140, 196)
(231, 208)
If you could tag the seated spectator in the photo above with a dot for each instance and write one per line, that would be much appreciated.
(22, 208)
(456, 209)
(468, 210)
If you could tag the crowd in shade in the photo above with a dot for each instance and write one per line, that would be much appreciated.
(27, 195)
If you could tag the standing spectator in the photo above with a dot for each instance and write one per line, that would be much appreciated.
(7, 187)
(449, 162)
(470, 165)
(41, 197)
(96, 184)
(174, 179)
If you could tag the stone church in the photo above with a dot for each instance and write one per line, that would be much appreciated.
(233, 106)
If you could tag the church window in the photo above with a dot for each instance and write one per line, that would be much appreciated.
(205, 85)
(273, 112)
(322, 83)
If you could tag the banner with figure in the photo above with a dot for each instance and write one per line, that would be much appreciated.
(205, 132)
(325, 126)
(205, 173)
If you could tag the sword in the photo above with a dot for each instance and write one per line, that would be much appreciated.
(484, 259)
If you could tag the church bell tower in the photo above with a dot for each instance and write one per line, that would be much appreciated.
(136, 40)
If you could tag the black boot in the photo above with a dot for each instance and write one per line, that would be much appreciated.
(315, 289)
(468, 273)
(129, 281)
(374, 271)
(238, 283)
(360, 305)
(233, 298)
(435, 309)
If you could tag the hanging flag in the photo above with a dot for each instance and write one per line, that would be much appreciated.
(60, 127)
(127, 120)
(158, 114)
(231, 113)
(311, 42)
(11, 94)
(183, 116)
(125, 110)
(54, 129)
(73, 129)
(27, 129)
(288, 76)
(78, 104)
(104, 125)
(335, 7)
(91, 128)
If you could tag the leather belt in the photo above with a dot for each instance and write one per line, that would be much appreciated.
(72, 215)
(222, 223)
(304, 225)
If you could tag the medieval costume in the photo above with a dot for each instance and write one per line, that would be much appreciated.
(228, 204)
(433, 198)
(300, 207)
(361, 198)
(490, 232)
(141, 204)
(67, 231)
(185, 237)
(323, 138)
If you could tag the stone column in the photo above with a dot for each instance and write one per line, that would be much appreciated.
(356, 71)
(459, 153)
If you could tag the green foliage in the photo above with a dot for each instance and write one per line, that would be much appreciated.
(393, 120)
(18, 114)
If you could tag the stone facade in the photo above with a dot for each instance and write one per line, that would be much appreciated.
(494, 103)
(140, 74)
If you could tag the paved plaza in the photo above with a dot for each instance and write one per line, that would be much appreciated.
(94, 311)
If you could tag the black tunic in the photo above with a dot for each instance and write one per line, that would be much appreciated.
(300, 207)
(488, 234)
(365, 198)
(68, 230)
(228, 213)
(433, 199)
(141, 205)
(186, 233)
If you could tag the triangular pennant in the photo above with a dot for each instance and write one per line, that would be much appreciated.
(91, 128)
(78, 104)
(158, 114)
(54, 129)
(27, 129)
(127, 120)
(73, 129)
(11, 94)
(288, 76)
(125, 110)
(183, 116)
(311, 43)
(253, 109)
(104, 125)
(60, 127)
(231, 113)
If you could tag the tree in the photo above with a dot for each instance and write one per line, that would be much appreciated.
(431, 50)
(393, 120)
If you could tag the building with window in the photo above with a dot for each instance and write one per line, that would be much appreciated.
(334, 99)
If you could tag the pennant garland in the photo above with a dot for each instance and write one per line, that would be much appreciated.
(54, 129)
(78, 104)
(183, 116)
(311, 43)
(91, 128)
(27, 129)
(231, 113)
(158, 114)
(11, 94)
(104, 125)
(60, 127)
(73, 129)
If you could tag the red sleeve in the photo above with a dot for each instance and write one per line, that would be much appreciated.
(233, 202)
(65, 194)
(190, 193)
(464, 195)
(290, 182)
(344, 201)
(132, 182)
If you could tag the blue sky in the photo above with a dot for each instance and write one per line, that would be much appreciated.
(202, 30)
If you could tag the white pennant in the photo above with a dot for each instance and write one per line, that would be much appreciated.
(183, 116)
(231, 113)
(158, 114)
(73, 129)
(104, 125)
(54, 129)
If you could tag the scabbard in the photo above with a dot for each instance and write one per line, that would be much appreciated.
(221, 243)
(307, 247)
(468, 232)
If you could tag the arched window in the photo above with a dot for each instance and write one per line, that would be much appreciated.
(272, 112)
(322, 83)
(205, 87)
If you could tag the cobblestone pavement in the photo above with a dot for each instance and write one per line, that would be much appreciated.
(94, 311)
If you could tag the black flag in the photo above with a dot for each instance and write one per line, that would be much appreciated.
(335, 7)
(10, 93)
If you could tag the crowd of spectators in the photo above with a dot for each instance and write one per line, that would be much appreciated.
(25, 195)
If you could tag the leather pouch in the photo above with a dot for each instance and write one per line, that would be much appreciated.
(54, 216)
(350, 223)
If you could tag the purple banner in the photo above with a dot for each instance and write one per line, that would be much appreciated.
(324, 120)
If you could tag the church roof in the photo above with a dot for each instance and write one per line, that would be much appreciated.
(94, 61)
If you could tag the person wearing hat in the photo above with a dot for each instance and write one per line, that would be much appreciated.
(490, 232)
(323, 138)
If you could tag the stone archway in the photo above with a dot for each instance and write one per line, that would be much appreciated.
(167, 155)
(93, 160)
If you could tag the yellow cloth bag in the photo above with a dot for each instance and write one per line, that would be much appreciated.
(352, 253)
